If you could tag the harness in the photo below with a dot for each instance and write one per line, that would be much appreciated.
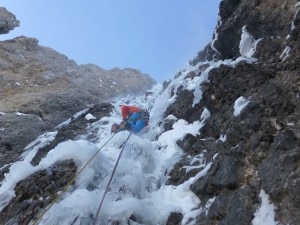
(144, 115)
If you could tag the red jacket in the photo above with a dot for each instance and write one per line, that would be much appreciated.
(128, 110)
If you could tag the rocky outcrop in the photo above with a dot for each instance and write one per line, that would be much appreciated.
(271, 21)
(36, 80)
(42, 187)
(261, 149)
(37, 191)
(40, 88)
(8, 21)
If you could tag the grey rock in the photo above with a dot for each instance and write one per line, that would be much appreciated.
(261, 150)
(8, 21)
(174, 219)
(230, 208)
(38, 190)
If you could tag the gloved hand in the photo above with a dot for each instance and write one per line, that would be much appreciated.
(115, 128)
(124, 125)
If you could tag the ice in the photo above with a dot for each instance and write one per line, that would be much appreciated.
(239, 104)
(138, 187)
(208, 204)
(285, 54)
(205, 114)
(73, 117)
(247, 44)
(216, 35)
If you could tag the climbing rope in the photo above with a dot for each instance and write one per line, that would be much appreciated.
(110, 179)
(71, 181)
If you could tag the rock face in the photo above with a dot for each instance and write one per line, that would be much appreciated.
(245, 155)
(43, 185)
(36, 80)
(8, 21)
(261, 150)
(41, 188)
(45, 88)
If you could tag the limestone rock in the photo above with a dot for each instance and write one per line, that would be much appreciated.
(261, 150)
(8, 21)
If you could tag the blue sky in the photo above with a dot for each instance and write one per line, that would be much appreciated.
(158, 37)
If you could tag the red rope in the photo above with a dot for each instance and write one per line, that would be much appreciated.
(110, 179)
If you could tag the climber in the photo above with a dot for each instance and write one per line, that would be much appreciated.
(134, 118)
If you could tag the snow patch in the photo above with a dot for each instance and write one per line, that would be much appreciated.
(180, 129)
(216, 35)
(41, 141)
(171, 117)
(197, 162)
(239, 105)
(208, 204)
(247, 44)
(222, 138)
(68, 121)
(295, 16)
(202, 173)
(20, 114)
(89, 117)
(285, 53)
(205, 114)
(265, 214)
(215, 156)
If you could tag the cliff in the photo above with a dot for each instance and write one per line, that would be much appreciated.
(242, 90)
(48, 88)
(258, 149)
